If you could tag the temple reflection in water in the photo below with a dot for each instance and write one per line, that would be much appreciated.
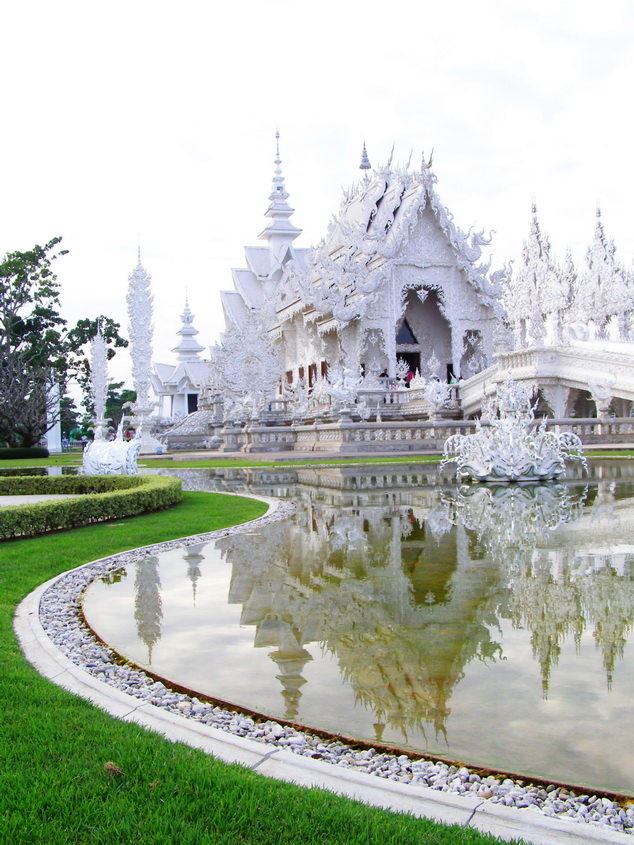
(407, 581)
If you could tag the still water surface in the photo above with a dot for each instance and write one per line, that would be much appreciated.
(487, 624)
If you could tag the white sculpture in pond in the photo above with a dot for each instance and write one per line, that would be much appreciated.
(512, 447)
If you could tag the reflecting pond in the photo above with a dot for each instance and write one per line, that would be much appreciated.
(484, 623)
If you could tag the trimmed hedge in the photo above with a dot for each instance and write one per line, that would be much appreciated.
(11, 453)
(101, 498)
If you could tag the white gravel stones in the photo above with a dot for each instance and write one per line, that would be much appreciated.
(61, 618)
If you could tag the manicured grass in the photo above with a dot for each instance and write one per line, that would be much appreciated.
(53, 746)
(300, 460)
(166, 463)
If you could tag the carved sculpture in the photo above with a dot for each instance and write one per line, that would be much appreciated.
(512, 447)
(343, 384)
(140, 307)
(99, 383)
(112, 457)
(103, 456)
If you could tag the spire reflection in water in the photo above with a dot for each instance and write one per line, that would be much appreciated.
(484, 625)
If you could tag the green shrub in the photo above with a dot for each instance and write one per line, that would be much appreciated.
(10, 454)
(101, 498)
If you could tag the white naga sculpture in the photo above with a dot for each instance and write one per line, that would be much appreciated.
(512, 447)
(103, 456)
(342, 384)
(112, 457)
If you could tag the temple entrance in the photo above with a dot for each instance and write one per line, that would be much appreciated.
(424, 334)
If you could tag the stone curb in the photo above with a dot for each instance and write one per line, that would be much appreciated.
(504, 822)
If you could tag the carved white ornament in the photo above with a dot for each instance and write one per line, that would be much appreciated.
(513, 447)
(112, 457)
(99, 383)
(140, 307)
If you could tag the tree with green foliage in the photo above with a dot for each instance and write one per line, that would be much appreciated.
(37, 350)
(68, 416)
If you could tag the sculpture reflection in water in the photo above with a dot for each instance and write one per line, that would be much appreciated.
(408, 588)
(512, 522)
(148, 605)
(512, 446)
(406, 596)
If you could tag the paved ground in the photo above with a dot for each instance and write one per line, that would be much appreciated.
(28, 500)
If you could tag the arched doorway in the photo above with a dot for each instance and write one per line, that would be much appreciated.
(423, 333)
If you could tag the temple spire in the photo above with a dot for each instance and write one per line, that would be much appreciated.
(365, 161)
(188, 348)
(280, 232)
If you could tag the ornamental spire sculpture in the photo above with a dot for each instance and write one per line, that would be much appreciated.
(99, 383)
(365, 163)
(608, 290)
(140, 302)
(280, 232)
(535, 290)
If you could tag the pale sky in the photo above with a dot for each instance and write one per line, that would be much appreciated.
(156, 121)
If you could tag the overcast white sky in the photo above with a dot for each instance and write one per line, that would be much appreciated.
(156, 120)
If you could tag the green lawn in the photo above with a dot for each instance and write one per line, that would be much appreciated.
(163, 462)
(53, 746)
(219, 462)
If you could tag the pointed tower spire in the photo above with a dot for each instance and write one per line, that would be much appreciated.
(365, 161)
(280, 232)
(188, 348)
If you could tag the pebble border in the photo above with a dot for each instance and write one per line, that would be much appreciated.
(61, 619)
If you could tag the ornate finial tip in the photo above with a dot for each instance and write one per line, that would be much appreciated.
(534, 208)
(598, 210)
(365, 161)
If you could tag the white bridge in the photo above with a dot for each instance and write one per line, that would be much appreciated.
(574, 381)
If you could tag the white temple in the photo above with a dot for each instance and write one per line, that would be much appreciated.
(177, 386)
(394, 317)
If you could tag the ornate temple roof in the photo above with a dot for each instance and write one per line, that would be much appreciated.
(371, 231)
(266, 265)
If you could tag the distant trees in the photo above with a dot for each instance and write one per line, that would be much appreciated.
(116, 400)
(37, 350)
